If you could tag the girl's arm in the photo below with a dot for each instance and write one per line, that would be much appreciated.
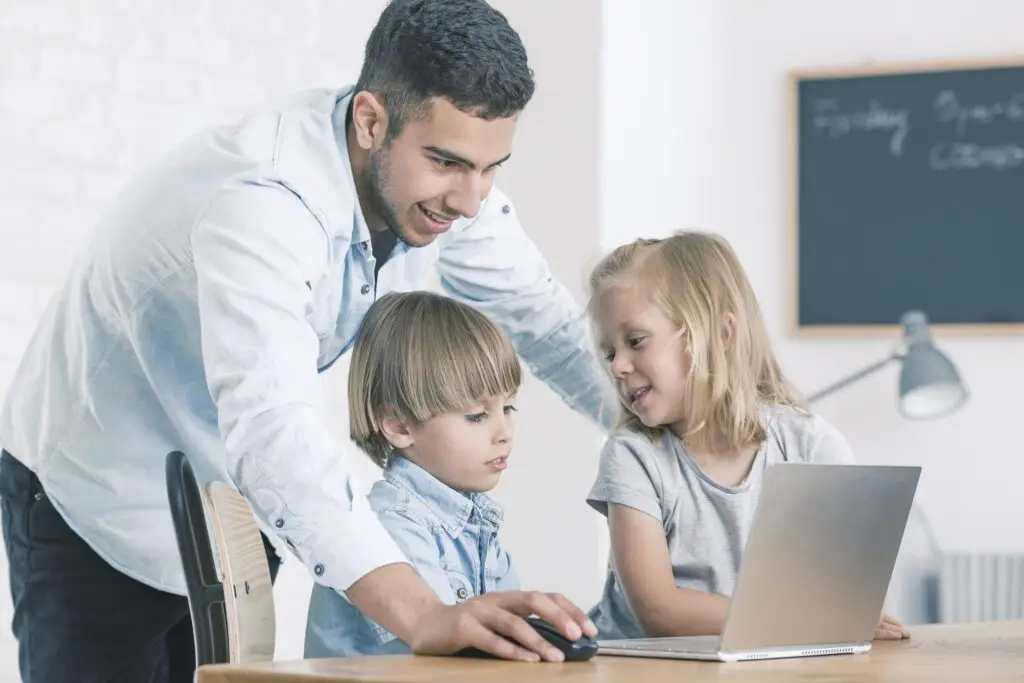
(642, 563)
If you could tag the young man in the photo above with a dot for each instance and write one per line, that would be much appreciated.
(199, 313)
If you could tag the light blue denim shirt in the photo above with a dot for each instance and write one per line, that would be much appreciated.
(198, 314)
(451, 539)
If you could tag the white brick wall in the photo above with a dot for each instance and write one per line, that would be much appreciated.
(92, 89)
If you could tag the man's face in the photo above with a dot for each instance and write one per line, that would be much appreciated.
(439, 169)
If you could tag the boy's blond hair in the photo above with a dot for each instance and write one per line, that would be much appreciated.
(696, 279)
(418, 355)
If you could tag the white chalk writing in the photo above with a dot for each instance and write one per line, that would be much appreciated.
(949, 109)
(962, 156)
(875, 118)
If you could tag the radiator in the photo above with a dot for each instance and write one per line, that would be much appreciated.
(981, 587)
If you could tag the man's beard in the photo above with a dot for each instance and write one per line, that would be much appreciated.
(378, 186)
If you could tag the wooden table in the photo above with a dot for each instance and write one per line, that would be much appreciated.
(988, 653)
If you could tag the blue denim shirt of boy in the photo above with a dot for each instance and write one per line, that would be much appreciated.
(451, 539)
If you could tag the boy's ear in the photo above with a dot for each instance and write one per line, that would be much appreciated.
(395, 431)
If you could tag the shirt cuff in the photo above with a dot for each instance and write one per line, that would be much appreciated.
(367, 546)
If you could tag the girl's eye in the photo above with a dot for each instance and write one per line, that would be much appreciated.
(511, 409)
(609, 357)
(636, 342)
(477, 417)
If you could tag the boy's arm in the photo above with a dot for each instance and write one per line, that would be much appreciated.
(642, 562)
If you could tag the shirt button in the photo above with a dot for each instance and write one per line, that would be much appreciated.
(279, 523)
(365, 289)
(506, 208)
(318, 570)
(462, 593)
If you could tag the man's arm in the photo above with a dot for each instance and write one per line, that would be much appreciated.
(492, 265)
(254, 251)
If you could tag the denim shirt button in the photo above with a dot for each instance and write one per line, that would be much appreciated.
(365, 289)
(318, 570)
(279, 523)
(461, 593)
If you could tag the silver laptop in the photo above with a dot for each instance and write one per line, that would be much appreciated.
(815, 570)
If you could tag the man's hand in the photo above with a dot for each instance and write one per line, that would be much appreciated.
(890, 629)
(398, 599)
(494, 623)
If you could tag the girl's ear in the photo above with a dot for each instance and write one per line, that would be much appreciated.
(728, 330)
(395, 431)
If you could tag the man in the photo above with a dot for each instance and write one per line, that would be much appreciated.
(219, 283)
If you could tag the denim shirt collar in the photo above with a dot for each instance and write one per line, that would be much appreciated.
(453, 509)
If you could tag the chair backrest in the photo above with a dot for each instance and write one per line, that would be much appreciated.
(202, 581)
(245, 573)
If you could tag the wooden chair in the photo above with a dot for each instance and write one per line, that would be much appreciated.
(232, 606)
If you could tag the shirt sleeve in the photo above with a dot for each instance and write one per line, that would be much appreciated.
(492, 265)
(826, 445)
(255, 249)
(627, 475)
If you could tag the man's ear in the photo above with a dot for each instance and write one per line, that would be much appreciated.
(395, 431)
(729, 330)
(369, 119)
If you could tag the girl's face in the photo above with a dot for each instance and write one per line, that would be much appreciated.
(467, 451)
(646, 354)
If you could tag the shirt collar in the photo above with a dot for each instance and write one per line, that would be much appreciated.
(452, 508)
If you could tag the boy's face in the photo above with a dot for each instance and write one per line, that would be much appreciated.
(467, 451)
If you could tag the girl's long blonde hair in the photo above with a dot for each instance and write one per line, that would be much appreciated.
(697, 281)
(418, 355)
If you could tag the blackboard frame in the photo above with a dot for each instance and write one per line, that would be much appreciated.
(861, 330)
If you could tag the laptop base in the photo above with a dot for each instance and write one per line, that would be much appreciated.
(704, 648)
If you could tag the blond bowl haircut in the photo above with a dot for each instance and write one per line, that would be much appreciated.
(419, 355)
(696, 280)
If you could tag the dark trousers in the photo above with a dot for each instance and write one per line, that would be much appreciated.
(77, 618)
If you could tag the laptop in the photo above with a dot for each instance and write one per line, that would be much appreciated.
(815, 570)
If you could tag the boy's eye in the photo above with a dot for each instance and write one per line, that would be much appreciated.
(510, 409)
(636, 342)
(609, 356)
(477, 417)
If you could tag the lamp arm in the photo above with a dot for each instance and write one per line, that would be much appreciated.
(860, 374)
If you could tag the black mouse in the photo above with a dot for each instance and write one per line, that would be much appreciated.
(574, 650)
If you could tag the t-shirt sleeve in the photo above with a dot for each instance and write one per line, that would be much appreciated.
(824, 444)
(628, 475)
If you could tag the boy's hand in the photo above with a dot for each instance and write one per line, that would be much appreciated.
(890, 629)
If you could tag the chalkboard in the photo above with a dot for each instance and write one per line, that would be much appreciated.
(909, 194)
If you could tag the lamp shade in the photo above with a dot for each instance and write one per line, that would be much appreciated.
(930, 385)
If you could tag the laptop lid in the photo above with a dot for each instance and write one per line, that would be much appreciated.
(820, 555)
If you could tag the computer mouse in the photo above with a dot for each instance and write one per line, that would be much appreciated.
(574, 650)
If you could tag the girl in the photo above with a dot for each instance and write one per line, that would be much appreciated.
(432, 390)
(706, 411)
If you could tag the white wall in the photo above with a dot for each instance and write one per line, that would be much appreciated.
(91, 91)
(706, 145)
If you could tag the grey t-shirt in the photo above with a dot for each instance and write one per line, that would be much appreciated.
(706, 524)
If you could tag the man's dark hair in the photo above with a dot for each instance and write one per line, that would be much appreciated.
(460, 50)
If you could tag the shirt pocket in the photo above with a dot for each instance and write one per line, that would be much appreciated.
(462, 587)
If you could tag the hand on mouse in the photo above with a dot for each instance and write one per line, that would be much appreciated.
(494, 623)
(890, 629)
